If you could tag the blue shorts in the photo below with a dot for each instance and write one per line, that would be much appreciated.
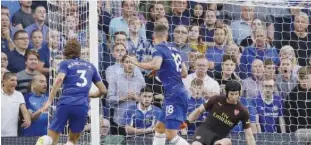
(174, 109)
(75, 115)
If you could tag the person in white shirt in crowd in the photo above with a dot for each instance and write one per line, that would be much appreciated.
(12, 102)
(201, 66)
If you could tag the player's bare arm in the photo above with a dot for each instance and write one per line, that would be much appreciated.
(196, 113)
(154, 64)
(56, 86)
(26, 116)
(250, 140)
(184, 72)
(101, 90)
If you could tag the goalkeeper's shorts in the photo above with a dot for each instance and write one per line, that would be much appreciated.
(205, 136)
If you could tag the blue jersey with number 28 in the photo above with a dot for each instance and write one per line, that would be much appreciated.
(78, 80)
(170, 70)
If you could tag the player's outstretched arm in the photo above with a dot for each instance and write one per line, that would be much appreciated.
(57, 84)
(101, 90)
(250, 140)
(196, 113)
(154, 64)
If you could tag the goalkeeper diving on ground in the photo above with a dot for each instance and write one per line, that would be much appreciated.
(225, 112)
(76, 76)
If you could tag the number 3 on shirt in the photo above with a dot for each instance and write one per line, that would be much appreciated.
(82, 76)
(177, 60)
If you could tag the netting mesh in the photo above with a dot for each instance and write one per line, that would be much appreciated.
(213, 30)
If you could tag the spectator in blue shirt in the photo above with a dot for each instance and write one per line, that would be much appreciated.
(195, 101)
(6, 34)
(269, 110)
(16, 57)
(180, 14)
(214, 54)
(207, 29)
(138, 45)
(34, 101)
(39, 16)
(41, 46)
(141, 117)
(260, 50)
(121, 23)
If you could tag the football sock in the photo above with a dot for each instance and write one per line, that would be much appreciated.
(159, 139)
(177, 140)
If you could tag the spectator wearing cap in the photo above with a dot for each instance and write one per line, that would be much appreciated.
(6, 34)
(121, 23)
(285, 80)
(23, 17)
(39, 17)
(24, 77)
(298, 103)
(35, 99)
(12, 102)
(16, 57)
(261, 50)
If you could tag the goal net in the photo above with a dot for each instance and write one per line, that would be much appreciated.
(256, 36)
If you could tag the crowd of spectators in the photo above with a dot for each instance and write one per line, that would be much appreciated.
(268, 49)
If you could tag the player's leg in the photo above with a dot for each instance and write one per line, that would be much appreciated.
(224, 141)
(54, 135)
(58, 123)
(172, 127)
(159, 136)
(77, 121)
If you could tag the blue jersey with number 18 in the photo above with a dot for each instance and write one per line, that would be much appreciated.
(78, 80)
(170, 70)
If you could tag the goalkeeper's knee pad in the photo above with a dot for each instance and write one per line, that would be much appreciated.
(44, 140)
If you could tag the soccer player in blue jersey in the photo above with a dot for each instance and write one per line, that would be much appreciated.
(269, 110)
(170, 69)
(76, 76)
